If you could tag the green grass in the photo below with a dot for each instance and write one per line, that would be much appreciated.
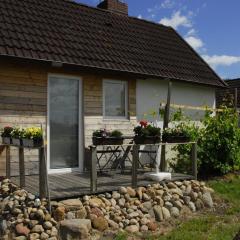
(223, 224)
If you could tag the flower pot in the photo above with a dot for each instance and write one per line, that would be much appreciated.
(7, 140)
(146, 140)
(107, 141)
(17, 141)
(31, 143)
(175, 139)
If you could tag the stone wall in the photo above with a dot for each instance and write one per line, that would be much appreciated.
(24, 216)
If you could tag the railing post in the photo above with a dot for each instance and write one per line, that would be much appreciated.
(194, 160)
(93, 171)
(21, 167)
(135, 162)
(8, 162)
(42, 174)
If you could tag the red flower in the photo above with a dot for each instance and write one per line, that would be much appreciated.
(143, 123)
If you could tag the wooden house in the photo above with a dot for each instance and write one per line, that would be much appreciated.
(72, 69)
(229, 95)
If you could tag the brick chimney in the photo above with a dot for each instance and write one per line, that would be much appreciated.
(116, 6)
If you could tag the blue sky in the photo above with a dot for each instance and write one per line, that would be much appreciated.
(211, 27)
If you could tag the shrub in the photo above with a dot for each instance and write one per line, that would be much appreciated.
(218, 144)
(182, 162)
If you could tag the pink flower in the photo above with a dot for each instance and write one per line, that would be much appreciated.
(143, 123)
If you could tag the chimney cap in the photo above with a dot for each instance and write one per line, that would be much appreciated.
(115, 6)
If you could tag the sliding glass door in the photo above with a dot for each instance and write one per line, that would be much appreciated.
(64, 113)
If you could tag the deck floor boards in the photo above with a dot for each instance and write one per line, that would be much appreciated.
(74, 184)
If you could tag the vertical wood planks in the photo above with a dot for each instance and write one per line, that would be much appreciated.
(194, 160)
(8, 162)
(135, 163)
(21, 167)
(93, 172)
(42, 174)
(165, 125)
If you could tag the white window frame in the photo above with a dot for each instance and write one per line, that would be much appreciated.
(126, 99)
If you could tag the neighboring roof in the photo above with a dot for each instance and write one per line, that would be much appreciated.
(68, 32)
(233, 83)
(229, 93)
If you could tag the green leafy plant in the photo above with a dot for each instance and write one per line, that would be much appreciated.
(182, 162)
(177, 131)
(116, 133)
(104, 133)
(147, 130)
(100, 133)
(6, 132)
(218, 144)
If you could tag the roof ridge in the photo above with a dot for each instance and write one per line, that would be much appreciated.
(105, 10)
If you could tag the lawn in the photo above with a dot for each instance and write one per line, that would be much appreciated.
(221, 224)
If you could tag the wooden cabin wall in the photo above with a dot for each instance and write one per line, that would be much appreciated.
(23, 96)
(93, 108)
(23, 102)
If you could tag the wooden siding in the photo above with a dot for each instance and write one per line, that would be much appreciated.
(23, 97)
(23, 102)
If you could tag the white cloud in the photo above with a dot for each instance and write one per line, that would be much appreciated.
(191, 32)
(176, 20)
(221, 60)
(195, 42)
(167, 4)
(139, 16)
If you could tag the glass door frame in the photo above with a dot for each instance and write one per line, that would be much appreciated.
(80, 128)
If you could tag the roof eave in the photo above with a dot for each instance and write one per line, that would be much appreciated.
(137, 74)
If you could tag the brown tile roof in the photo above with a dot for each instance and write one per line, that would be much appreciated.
(64, 31)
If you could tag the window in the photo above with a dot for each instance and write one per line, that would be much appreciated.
(115, 99)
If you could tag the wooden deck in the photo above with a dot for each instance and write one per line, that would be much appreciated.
(70, 185)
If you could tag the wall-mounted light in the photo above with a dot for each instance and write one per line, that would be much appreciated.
(57, 64)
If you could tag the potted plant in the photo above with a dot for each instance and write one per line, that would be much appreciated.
(146, 133)
(175, 135)
(32, 137)
(104, 137)
(6, 135)
(16, 135)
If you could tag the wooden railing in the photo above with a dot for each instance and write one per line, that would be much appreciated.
(135, 161)
(42, 167)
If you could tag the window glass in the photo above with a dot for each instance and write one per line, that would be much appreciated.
(115, 99)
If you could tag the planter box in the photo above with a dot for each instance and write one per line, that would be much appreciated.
(7, 140)
(146, 140)
(31, 143)
(175, 139)
(17, 141)
(107, 141)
